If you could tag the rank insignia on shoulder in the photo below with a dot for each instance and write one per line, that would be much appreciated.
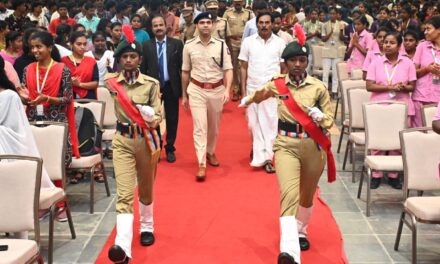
(283, 96)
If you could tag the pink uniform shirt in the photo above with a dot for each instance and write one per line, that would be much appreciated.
(404, 72)
(371, 56)
(425, 90)
(356, 59)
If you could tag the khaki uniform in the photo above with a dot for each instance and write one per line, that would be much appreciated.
(188, 32)
(132, 158)
(311, 28)
(237, 22)
(206, 105)
(220, 29)
(299, 162)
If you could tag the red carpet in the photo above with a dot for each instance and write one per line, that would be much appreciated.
(230, 218)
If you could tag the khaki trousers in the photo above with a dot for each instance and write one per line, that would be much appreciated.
(206, 109)
(236, 71)
(133, 161)
(299, 164)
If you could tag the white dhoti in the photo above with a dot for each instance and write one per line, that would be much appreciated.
(263, 123)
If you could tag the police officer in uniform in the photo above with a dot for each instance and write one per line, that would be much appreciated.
(189, 28)
(136, 147)
(220, 26)
(206, 81)
(301, 147)
(237, 17)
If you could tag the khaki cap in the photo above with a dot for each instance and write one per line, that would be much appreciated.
(211, 4)
(187, 11)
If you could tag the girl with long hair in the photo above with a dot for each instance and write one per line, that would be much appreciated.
(14, 47)
(85, 74)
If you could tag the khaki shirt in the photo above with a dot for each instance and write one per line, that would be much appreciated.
(220, 29)
(237, 22)
(312, 92)
(204, 60)
(145, 91)
(334, 47)
(188, 32)
(311, 28)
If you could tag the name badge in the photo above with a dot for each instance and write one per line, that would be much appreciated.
(283, 97)
(40, 110)
(392, 94)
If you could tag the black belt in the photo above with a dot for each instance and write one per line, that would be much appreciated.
(290, 127)
(129, 130)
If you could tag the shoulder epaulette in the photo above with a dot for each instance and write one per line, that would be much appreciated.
(278, 75)
(151, 79)
(111, 75)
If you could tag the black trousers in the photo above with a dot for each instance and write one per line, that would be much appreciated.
(171, 105)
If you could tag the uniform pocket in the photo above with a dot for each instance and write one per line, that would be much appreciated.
(140, 99)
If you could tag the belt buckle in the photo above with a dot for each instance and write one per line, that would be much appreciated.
(207, 85)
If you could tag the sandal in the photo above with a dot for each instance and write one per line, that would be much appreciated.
(99, 177)
(77, 178)
(269, 167)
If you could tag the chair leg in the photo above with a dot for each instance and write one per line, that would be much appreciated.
(368, 191)
(361, 182)
(336, 109)
(69, 218)
(414, 239)
(92, 189)
(353, 163)
(107, 189)
(399, 231)
(340, 138)
(51, 227)
(347, 148)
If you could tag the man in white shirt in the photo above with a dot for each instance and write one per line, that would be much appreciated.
(276, 28)
(260, 60)
(250, 28)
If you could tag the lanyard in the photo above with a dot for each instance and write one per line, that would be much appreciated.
(72, 58)
(390, 78)
(434, 56)
(39, 89)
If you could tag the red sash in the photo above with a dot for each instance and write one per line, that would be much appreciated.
(309, 126)
(84, 70)
(51, 88)
(133, 112)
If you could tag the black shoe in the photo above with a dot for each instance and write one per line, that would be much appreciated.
(304, 243)
(147, 238)
(395, 183)
(284, 258)
(171, 157)
(117, 255)
(375, 183)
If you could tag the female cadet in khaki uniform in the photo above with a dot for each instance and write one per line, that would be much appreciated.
(299, 160)
(135, 145)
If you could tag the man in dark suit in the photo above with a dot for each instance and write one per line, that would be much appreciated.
(162, 60)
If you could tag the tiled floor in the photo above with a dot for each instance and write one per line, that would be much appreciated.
(366, 239)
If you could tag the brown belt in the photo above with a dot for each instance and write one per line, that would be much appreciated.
(207, 85)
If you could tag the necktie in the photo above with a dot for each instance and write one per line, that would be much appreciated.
(161, 64)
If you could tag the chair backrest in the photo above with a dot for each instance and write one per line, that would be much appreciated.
(356, 97)
(109, 116)
(421, 156)
(356, 74)
(317, 56)
(20, 178)
(97, 108)
(51, 140)
(341, 69)
(383, 122)
(345, 85)
(428, 113)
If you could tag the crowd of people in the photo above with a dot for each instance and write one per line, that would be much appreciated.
(201, 55)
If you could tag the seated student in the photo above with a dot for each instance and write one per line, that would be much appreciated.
(15, 132)
(391, 77)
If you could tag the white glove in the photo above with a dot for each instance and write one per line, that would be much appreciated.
(243, 102)
(147, 112)
(316, 114)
